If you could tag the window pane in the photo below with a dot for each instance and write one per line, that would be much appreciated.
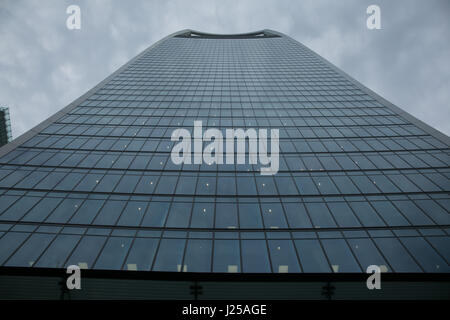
(226, 215)
(110, 212)
(311, 256)
(412, 212)
(246, 186)
(254, 256)
(40, 211)
(343, 214)
(179, 215)
(283, 256)
(30, 251)
(273, 215)
(226, 256)
(9, 243)
(170, 254)
(19, 208)
(320, 215)
(198, 256)
(65, 210)
(367, 254)
(340, 256)
(186, 185)
(367, 216)
(87, 211)
(141, 254)
(202, 215)
(156, 214)
(86, 252)
(226, 186)
(249, 215)
(389, 213)
(296, 215)
(133, 213)
(398, 258)
(439, 243)
(113, 253)
(425, 255)
(58, 251)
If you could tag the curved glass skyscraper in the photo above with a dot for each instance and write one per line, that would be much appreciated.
(359, 181)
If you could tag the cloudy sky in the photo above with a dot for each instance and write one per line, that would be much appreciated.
(44, 66)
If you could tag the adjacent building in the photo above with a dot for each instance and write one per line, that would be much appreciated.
(360, 182)
(5, 126)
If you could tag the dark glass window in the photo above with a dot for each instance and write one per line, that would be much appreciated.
(141, 254)
(283, 256)
(311, 256)
(114, 253)
(340, 256)
(30, 251)
(226, 256)
(254, 256)
(198, 255)
(170, 255)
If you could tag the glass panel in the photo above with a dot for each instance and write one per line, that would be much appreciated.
(249, 215)
(412, 213)
(397, 256)
(30, 251)
(343, 214)
(283, 256)
(311, 256)
(296, 215)
(367, 216)
(320, 215)
(254, 256)
(340, 256)
(389, 213)
(226, 256)
(156, 214)
(114, 253)
(198, 256)
(86, 252)
(367, 254)
(40, 211)
(170, 254)
(110, 212)
(65, 210)
(226, 186)
(58, 251)
(425, 255)
(179, 215)
(19, 208)
(202, 215)
(9, 243)
(133, 213)
(87, 212)
(226, 215)
(141, 254)
(440, 244)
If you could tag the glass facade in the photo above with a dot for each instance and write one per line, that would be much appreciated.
(359, 182)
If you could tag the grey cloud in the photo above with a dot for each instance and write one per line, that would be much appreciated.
(44, 66)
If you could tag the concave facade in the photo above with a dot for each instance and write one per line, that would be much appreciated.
(360, 181)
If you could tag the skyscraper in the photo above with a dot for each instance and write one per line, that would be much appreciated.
(360, 182)
(5, 126)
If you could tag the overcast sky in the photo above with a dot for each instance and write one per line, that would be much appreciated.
(44, 66)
